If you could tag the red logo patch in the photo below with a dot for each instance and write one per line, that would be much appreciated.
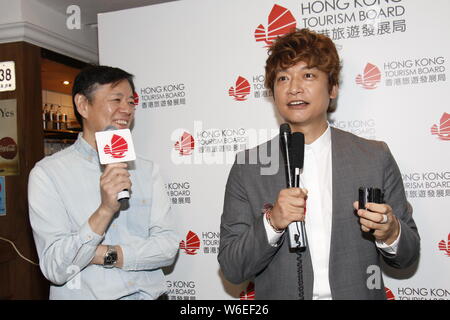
(185, 144)
(192, 243)
(371, 77)
(249, 293)
(118, 147)
(443, 130)
(389, 294)
(280, 22)
(241, 91)
(445, 246)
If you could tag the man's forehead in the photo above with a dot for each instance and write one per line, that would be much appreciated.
(114, 88)
(301, 65)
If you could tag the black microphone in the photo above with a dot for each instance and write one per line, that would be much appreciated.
(123, 195)
(298, 155)
(293, 150)
(285, 137)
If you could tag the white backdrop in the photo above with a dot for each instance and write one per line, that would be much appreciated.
(199, 76)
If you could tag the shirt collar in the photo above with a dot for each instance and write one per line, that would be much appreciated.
(86, 150)
(321, 143)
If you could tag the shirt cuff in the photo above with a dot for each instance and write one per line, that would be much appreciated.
(129, 258)
(392, 248)
(272, 235)
(89, 237)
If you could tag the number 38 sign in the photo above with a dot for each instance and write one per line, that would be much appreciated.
(7, 76)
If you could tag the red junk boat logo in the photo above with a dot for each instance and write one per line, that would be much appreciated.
(371, 77)
(249, 293)
(241, 91)
(389, 294)
(280, 22)
(191, 245)
(185, 145)
(445, 246)
(136, 98)
(118, 148)
(8, 148)
(443, 130)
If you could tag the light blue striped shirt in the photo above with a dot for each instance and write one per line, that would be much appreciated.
(63, 192)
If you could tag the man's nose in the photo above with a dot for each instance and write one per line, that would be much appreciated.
(296, 86)
(126, 107)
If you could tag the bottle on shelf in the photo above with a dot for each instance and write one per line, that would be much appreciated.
(64, 122)
(45, 116)
(58, 118)
(52, 122)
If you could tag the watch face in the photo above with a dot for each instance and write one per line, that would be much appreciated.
(110, 258)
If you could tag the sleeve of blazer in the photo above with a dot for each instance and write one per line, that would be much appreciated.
(409, 243)
(244, 248)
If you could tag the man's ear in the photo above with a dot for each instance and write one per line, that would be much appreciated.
(82, 104)
(334, 92)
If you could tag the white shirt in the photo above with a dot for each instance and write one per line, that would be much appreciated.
(316, 177)
(63, 192)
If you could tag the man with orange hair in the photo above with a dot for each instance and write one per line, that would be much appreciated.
(345, 245)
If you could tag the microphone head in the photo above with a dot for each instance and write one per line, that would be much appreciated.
(110, 128)
(297, 149)
(285, 128)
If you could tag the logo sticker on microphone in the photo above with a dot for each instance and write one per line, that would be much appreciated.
(115, 146)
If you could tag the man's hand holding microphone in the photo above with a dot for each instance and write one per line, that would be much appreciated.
(115, 147)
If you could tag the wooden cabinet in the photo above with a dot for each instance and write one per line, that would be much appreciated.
(20, 279)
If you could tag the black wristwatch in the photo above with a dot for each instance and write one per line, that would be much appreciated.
(110, 258)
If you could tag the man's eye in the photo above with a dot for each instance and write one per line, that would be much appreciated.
(281, 78)
(309, 75)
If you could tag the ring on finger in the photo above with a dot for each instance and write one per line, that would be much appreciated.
(385, 219)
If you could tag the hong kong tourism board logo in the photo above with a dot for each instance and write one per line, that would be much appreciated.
(245, 87)
(409, 72)
(191, 244)
(444, 245)
(181, 290)
(240, 90)
(370, 78)
(358, 19)
(431, 185)
(442, 130)
(279, 22)
(212, 146)
(161, 96)
(339, 20)
(209, 242)
(185, 144)
(421, 293)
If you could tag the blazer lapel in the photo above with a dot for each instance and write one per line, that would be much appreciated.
(341, 174)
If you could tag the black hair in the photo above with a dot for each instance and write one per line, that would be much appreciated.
(87, 81)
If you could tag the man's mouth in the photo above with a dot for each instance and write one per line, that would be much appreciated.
(298, 103)
(121, 122)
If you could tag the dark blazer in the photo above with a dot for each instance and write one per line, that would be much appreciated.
(245, 254)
